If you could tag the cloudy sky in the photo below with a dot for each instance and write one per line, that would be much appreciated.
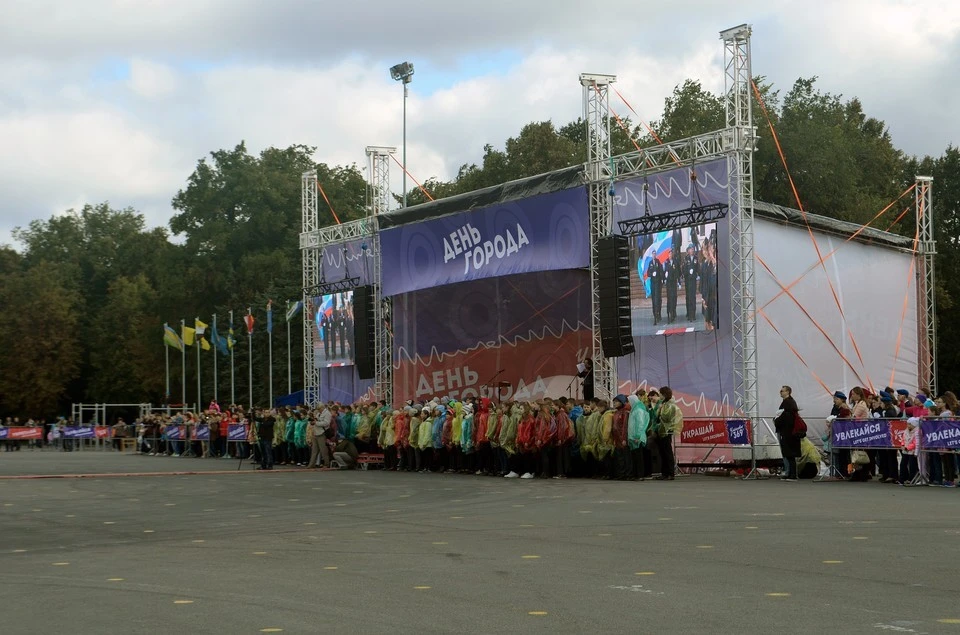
(117, 99)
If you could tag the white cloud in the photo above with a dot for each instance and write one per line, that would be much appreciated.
(184, 78)
(151, 80)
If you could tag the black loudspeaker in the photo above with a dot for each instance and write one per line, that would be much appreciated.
(364, 332)
(613, 269)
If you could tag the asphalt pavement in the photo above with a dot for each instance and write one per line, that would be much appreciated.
(294, 551)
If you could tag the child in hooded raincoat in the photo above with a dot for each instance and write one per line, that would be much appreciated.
(387, 439)
(527, 442)
(563, 440)
(637, 436)
(466, 437)
(481, 441)
(508, 439)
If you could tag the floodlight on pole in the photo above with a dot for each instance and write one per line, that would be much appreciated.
(403, 73)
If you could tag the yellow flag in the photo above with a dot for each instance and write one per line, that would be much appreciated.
(188, 335)
(200, 326)
(204, 344)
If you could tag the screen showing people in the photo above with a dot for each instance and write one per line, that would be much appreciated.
(334, 321)
(673, 284)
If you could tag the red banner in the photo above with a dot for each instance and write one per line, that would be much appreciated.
(19, 433)
(704, 431)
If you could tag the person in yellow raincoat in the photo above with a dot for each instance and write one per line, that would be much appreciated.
(387, 440)
(425, 439)
(508, 438)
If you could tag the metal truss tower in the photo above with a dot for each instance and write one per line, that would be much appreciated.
(926, 287)
(740, 144)
(311, 254)
(378, 162)
(599, 173)
(379, 158)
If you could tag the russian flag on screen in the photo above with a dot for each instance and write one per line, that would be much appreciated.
(324, 306)
(660, 249)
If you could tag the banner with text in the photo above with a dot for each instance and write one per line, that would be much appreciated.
(868, 433)
(25, 433)
(237, 432)
(541, 233)
(940, 434)
(715, 432)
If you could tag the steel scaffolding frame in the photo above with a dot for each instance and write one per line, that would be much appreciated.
(379, 157)
(378, 162)
(313, 239)
(926, 287)
(311, 278)
(599, 175)
(742, 135)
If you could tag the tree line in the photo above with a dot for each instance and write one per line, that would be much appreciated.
(84, 294)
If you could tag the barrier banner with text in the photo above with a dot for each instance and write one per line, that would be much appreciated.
(174, 433)
(868, 433)
(26, 433)
(237, 432)
(940, 434)
(715, 432)
(201, 432)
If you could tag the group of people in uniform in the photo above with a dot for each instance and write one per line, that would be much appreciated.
(697, 266)
(336, 331)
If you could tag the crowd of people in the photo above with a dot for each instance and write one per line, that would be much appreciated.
(630, 438)
(891, 465)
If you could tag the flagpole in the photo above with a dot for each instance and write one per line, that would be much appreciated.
(215, 344)
(233, 396)
(270, 352)
(289, 372)
(196, 342)
(250, 364)
(183, 367)
(166, 350)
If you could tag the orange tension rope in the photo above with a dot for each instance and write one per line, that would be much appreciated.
(425, 193)
(324, 194)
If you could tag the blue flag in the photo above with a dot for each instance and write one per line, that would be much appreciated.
(219, 342)
(270, 316)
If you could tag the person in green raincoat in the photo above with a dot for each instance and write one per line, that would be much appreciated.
(300, 439)
(637, 426)
(289, 437)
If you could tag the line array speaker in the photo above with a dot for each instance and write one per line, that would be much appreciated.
(613, 268)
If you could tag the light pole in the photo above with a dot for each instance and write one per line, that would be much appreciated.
(403, 73)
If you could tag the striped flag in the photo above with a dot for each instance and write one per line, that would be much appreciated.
(293, 308)
(171, 339)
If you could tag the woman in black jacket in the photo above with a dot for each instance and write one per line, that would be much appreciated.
(784, 424)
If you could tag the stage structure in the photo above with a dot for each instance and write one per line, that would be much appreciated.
(495, 291)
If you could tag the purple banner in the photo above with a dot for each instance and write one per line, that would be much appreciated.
(738, 432)
(541, 233)
(352, 259)
(174, 433)
(863, 433)
(940, 434)
(201, 432)
(237, 432)
(76, 432)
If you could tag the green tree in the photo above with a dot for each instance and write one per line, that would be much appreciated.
(40, 347)
(126, 358)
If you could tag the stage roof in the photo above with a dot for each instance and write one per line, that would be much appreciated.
(573, 177)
